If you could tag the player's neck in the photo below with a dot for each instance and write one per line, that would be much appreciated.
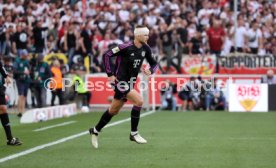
(137, 43)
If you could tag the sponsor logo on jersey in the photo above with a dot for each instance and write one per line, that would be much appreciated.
(115, 50)
(136, 63)
(143, 53)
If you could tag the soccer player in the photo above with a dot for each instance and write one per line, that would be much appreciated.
(3, 108)
(123, 76)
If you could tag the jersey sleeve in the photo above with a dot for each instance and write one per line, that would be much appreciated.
(3, 71)
(118, 50)
(151, 60)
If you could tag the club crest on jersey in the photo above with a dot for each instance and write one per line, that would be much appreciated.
(132, 54)
(143, 53)
(115, 50)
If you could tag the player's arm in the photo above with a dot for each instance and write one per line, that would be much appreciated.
(118, 50)
(107, 60)
(151, 61)
(4, 74)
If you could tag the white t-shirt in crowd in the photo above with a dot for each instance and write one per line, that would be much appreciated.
(10, 24)
(19, 9)
(253, 37)
(226, 17)
(254, 6)
(240, 34)
(228, 43)
(204, 16)
(110, 16)
(41, 8)
(115, 6)
(191, 32)
(65, 18)
(124, 15)
(174, 6)
(91, 12)
(10, 6)
(151, 20)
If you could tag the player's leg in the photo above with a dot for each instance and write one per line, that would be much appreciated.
(114, 109)
(137, 101)
(6, 123)
(20, 99)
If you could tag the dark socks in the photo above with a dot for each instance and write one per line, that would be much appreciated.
(6, 125)
(106, 117)
(135, 117)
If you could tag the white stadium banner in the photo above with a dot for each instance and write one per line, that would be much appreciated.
(248, 97)
(48, 113)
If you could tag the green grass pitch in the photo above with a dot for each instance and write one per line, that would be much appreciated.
(175, 140)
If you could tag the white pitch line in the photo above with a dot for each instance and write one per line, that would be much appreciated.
(28, 151)
(54, 126)
(230, 138)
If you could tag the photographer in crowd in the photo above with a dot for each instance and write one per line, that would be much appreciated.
(167, 96)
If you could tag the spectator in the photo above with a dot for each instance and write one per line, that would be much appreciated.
(96, 66)
(269, 78)
(51, 44)
(216, 36)
(8, 65)
(33, 63)
(70, 42)
(153, 41)
(182, 36)
(19, 10)
(118, 18)
(79, 85)
(3, 42)
(204, 14)
(56, 85)
(42, 75)
(103, 44)
(214, 98)
(186, 94)
(195, 45)
(85, 40)
(39, 37)
(166, 43)
(167, 96)
(273, 47)
(22, 77)
(9, 35)
(255, 40)
(20, 40)
(240, 35)
(64, 68)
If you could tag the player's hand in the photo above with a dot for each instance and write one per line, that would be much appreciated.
(147, 72)
(112, 79)
(8, 80)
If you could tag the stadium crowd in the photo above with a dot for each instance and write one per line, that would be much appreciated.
(178, 27)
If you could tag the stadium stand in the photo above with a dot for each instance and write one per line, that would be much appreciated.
(187, 36)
